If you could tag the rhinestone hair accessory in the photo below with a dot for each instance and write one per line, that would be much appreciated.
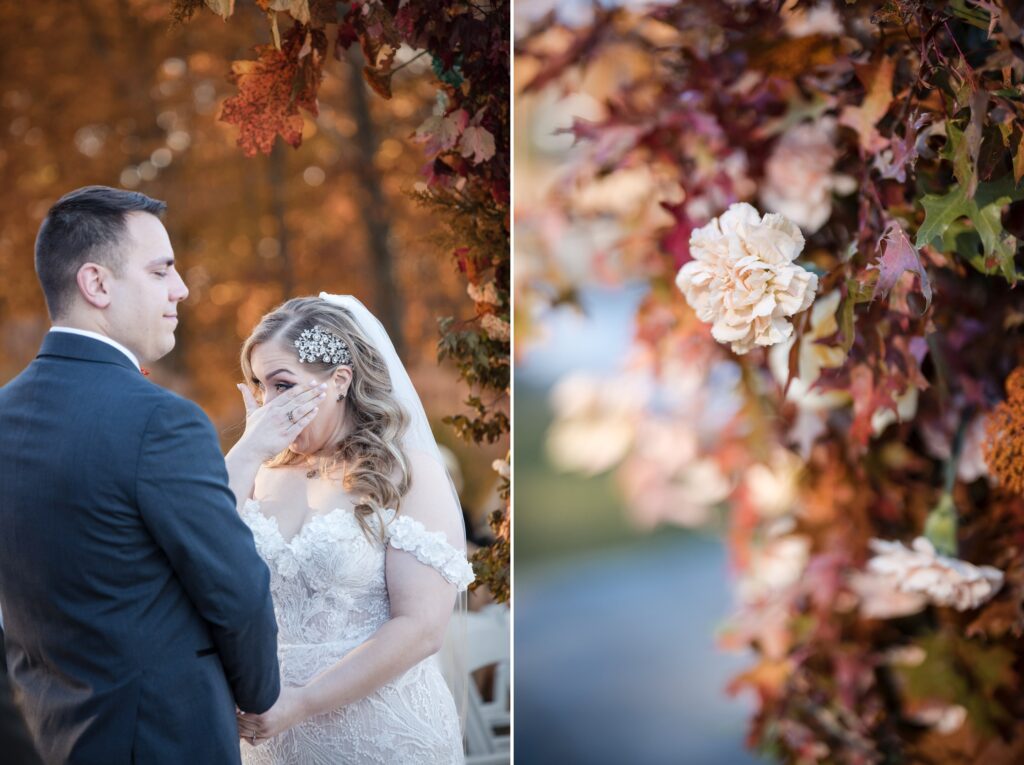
(317, 344)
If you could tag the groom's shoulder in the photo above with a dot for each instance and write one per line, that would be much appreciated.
(139, 400)
(170, 407)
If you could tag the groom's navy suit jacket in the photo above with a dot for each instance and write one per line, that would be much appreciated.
(136, 610)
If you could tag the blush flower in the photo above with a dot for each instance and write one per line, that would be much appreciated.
(881, 598)
(799, 178)
(743, 280)
(943, 580)
(595, 421)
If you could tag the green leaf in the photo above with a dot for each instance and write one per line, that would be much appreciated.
(958, 670)
(984, 212)
(856, 293)
(939, 212)
(941, 524)
(959, 153)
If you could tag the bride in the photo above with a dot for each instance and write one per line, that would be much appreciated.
(344, 488)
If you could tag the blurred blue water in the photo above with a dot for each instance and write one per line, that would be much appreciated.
(615, 660)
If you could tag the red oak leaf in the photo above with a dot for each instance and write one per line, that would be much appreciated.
(899, 255)
(870, 395)
(272, 88)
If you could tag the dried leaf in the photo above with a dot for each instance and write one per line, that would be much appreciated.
(870, 395)
(222, 8)
(477, 142)
(441, 133)
(379, 80)
(966, 146)
(1018, 161)
(865, 117)
(297, 9)
(898, 256)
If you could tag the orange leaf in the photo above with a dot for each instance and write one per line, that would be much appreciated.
(863, 118)
(271, 90)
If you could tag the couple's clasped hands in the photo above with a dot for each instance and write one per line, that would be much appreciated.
(287, 711)
(272, 427)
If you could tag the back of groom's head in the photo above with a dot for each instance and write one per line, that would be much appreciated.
(86, 225)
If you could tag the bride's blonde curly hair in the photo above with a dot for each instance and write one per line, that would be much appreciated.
(376, 468)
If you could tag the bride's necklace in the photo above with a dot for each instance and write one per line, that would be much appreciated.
(314, 470)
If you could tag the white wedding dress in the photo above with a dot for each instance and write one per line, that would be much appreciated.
(329, 597)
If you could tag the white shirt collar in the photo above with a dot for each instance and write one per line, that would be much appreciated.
(102, 339)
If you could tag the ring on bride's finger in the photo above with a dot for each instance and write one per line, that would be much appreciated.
(291, 417)
(254, 738)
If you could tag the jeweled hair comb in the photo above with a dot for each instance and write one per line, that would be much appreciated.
(318, 344)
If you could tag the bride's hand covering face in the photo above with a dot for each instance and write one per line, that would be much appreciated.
(271, 427)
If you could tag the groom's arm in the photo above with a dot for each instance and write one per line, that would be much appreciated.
(186, 504)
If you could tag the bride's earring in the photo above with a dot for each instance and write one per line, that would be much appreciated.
(341, 397)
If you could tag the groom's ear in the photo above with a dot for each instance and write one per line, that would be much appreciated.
(342, 378)
(93, 284)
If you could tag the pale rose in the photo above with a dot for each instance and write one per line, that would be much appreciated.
(666, 480)
(814, 355)
(496, 327)
(776, 565)
(595, 421)
(820, 19)
(773, 487)
(938, 436)
(943, 580)
(743, 280)
(944, 718)
(906, 408)
(488, 293)
(799, 181)
(881, 598)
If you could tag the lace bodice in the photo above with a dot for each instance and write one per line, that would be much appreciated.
(328, 580)
(330, 595)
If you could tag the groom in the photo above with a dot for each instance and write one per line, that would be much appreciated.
(137, 612)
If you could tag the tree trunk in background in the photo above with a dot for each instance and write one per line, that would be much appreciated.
(278, 184)
(374, 207)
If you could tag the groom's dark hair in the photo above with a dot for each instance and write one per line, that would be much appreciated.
(85, 225)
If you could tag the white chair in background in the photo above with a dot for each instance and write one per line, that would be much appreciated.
(487, 643)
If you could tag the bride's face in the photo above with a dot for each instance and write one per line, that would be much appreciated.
(278, 369)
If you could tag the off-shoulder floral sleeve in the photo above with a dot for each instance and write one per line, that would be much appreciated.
(432, 549)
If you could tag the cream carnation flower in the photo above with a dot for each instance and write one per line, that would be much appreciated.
(742, 279)
(943, 580)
